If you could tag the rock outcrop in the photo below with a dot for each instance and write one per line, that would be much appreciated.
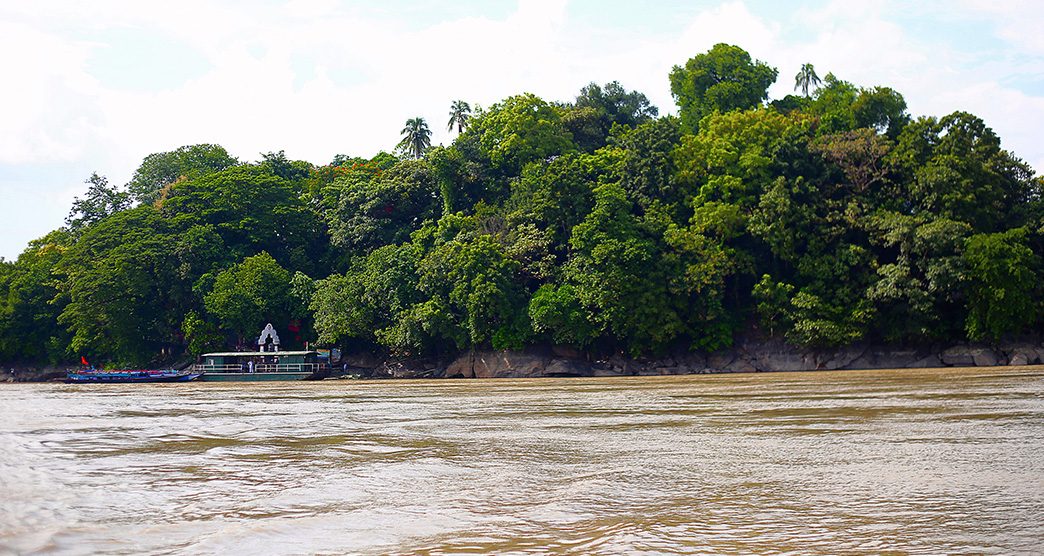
(748, 355)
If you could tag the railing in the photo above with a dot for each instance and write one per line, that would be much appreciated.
(263, 368)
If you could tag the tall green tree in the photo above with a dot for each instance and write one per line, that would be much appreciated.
(1004, 294)
(737, 156)
(459, 116)
(384, 208)
(474, 284)
(251, 210)
(557, 313)
(252, 293)
(806, 80)
(882, 109)
(722, 79)
(124, 299)
(518, 130)
(599, 107)
(833, 105)
(367, 303)
(955, 168)
(30, 302)
(159, 170)
(922, 276)
(453, 286)
(416, 137)
(701, 261)
(617, 276)
(648, 170)
(555, 196)
(618, 105)
(101, 200)
(278, 164)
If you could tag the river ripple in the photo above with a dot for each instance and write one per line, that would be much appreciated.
(917, 461)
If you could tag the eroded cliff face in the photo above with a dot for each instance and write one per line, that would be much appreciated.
(746, 356)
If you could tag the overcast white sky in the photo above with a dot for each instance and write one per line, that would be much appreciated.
(97, 86)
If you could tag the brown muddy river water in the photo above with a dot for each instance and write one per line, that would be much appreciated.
(914, 461)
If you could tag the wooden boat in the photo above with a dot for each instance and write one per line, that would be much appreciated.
(92, 376)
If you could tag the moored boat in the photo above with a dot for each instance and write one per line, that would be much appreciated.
(93, 376)
(266, 364)
(257, 366)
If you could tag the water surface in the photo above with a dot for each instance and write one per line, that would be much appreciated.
(917, 461)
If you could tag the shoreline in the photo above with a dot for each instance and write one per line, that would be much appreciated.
(747, 356)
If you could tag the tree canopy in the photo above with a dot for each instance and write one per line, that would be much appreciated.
(721, 80)
(823, 218)
(160, 170)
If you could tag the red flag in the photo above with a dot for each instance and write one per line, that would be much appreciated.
(83, 361)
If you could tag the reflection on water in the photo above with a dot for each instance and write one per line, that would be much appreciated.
(913, 461)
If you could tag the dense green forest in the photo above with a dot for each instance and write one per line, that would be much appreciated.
(826, 217)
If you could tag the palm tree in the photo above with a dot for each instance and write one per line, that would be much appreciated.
(460, 115)
(806, 79)
(416, 137)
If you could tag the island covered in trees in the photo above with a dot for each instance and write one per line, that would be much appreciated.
(825, 218)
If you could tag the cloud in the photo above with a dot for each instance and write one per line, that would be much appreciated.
(731, 23)
(1016, 21)
(48, 112)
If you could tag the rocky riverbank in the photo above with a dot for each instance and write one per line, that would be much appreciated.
(31, 373)
(746, 356)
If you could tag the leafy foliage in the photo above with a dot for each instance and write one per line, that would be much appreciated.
(252, 293)
(160, 170)
(100, 201)
(363, 302)
(519, 130)
(616, 273)
(598, 108)
(823, 218)
(30, 302)
(956, 168)
(1005, 285)
(121, 287)
(384, 207)
(251, 210)
(721, 80)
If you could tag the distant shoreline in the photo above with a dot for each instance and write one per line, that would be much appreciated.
(747, 356)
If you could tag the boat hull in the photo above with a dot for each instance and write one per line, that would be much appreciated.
(255, 377)
(127, 378)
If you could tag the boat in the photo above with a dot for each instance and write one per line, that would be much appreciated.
(266, 364)
(257, 366)
(94, 376)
